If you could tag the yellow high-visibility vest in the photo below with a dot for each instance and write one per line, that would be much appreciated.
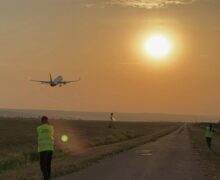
(208, 132)
(113, 118)
(45, 138)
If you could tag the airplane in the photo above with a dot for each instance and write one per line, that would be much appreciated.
(57, 81)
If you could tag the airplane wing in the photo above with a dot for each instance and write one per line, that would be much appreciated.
(43, 82)
(66, 82)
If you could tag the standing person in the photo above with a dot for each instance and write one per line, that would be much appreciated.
(209, 134)
(112, 120)
(45, 133)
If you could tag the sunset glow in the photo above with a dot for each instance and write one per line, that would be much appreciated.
(131, 55)
(157, 46)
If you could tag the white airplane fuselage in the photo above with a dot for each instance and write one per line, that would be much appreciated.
(56, 81)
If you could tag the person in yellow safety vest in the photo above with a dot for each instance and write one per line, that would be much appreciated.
(45, 136)
(209, 134)
(112, 120)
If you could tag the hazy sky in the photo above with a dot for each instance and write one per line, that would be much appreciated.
(102, 42)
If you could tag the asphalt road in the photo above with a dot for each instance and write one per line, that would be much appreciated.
(169, 158)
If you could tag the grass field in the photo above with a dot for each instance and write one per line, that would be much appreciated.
(209, 159)
(88, 141)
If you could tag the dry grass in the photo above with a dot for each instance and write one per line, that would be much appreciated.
(88, 142)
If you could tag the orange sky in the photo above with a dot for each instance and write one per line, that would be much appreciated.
(101, 41)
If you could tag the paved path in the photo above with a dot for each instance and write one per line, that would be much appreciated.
(169, 158)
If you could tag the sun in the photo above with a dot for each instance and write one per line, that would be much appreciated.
(157, 46)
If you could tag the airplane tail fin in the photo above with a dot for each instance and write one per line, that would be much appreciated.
(51, 79)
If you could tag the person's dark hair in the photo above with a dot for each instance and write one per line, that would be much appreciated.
(44, 119)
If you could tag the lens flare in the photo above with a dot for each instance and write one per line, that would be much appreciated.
(64, 138)
(68, 137)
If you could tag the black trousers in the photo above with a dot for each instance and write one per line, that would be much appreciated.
(209, 142)
(45, 163)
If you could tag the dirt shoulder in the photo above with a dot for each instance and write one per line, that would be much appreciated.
(210, 160)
